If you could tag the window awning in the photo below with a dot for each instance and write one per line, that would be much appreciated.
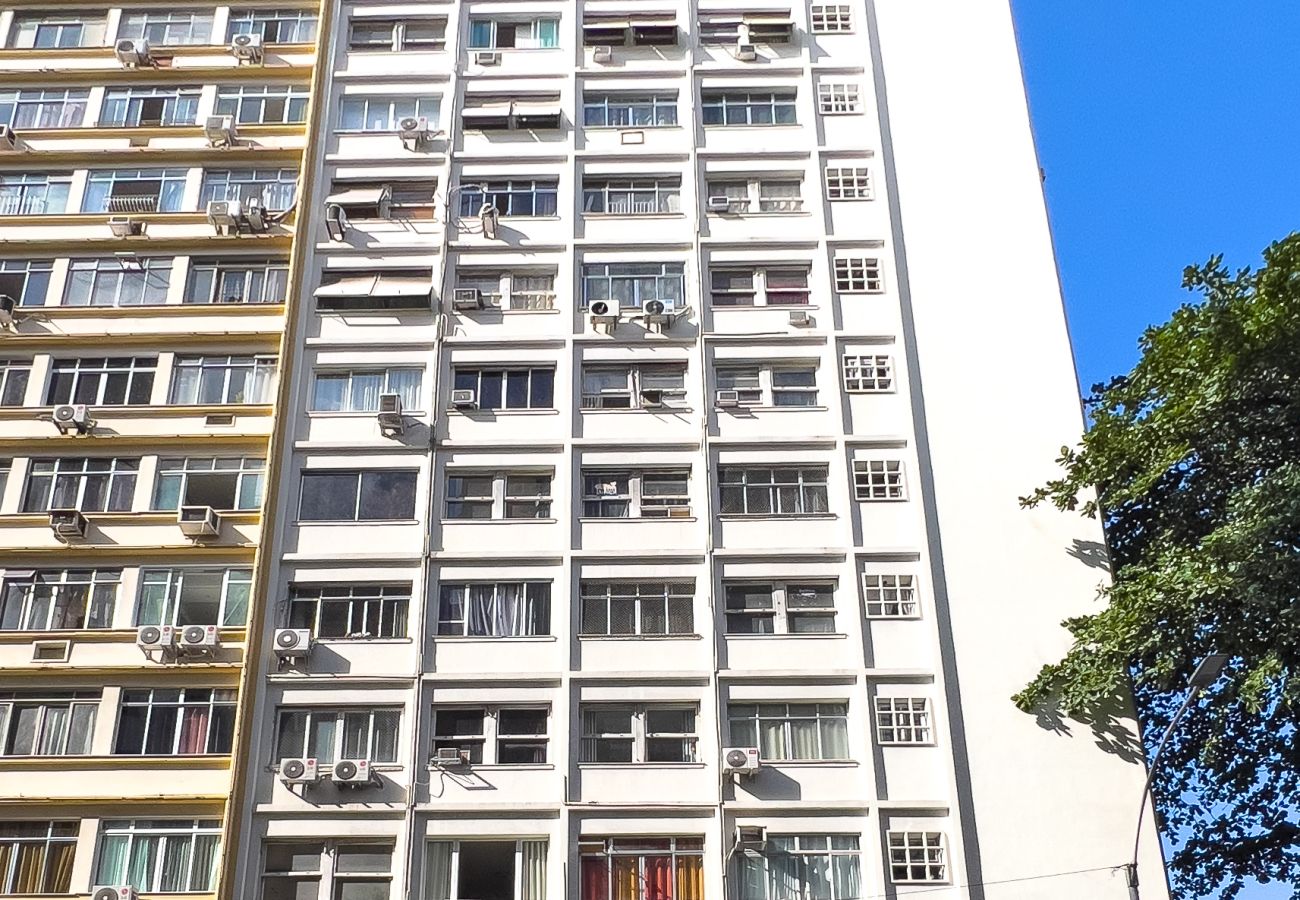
(769, 18)
(377, 286)
(358, 196)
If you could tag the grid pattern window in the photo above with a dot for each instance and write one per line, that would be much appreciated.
(358, 112)
(632, 284)
(748, 107)
(359, 390)
(774, 490)
(612, 608)
(295, 870)
(397, 35)
(134, 191)
(480, 495)
(492, 735)
(778, 607)
(917, 857)
(53, 108)
(57, 30)
(495, 869)
(635, 386)
(159, 855)
(102, 381)
(782, 385)
(59, 599)
(34, 193)
(175, 721)
(25, 280)
(96, 484)
(276, 26)
(166, 28)
(368, 495)
(791, 731)
(118, 282)
(632, 196)
(194, 596)
(890, 596)
(513, 290)
(774, 27)
(759, 286)
(638, 733)
(848, 183)
(902, 721)
(494, 609)
(858, 275)
(830, 18)
(134, 107)
(601, 110)
(237, 281)
(355, 612)
(868, 373)
(826, 866)
(47, 724)
(636, 494)
(219, 380)
(505, 34)
(511, 197)
(743, 195)
(329, 735)
(878, 479)
(641, 868)
(521, 388)
(36, 857)
(221, 482)
(14, 375)
(263, 104)
(839, 98)
(274, 188)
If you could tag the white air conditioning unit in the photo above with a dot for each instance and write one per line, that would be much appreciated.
(125, 226)
(413, 128)
(353, 772)
(389, 415)
(299, 770)
(751, 837)
(219, 130)
(155, 637)
(740, 760)
(72, 418)
(8, 140)
(291, 643)
(465, 398)
(450, 756)
(132, 52)
(746, 52)
(68, 523)
(727, 398)
(800, 318)
(656, 314)
(197, 637)
(119, 892)
(602, 54)
(7, 306)
(466, 298)
(225, 215)
(719, 203)
(246, 47)
(603, 311)
(487, 58)
(198, 521)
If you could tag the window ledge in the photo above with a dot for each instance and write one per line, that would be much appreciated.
(640, 637)
(740, 517)
(628, 127)
(136, 310)
(481, 413)
(484, 639)
(642, 765)
(359, 413)
(750, 307)
(816, 635)
(638, 409)
(655, 215)
(602, 519)
(344, 641)
(500, 767)
(299, 523)
(811, 763)
(497, 521)
(741, 410)
(760, 214)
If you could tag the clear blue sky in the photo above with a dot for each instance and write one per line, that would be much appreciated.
(1169, 131)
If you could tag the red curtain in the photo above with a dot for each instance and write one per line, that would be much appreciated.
(658, 878)
(194, 730)
(595, 878)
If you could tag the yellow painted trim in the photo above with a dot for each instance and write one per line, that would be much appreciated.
(102, 553)
(111, 763)
(192, 444)
(98, 158)
(161, 310)
(135, 132)
(279, 240)
(30, 341)
(174, 675)
(149, 517)
(99, 636)
(115, 804)
(175, 411)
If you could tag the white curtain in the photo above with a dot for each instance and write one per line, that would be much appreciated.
(532, 879)
(437, 871)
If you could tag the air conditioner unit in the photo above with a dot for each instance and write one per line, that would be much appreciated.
(466, 298)
(602, 54)
(155, 637)
(354, 772)
(603, 311)
(299, 770)
(751, 837)
(450, 756)
(132, 52)
(125, 226)
(656, 314)
(219, 130)
(225, 215)
(727, 398)
(8, 140)
(390, 413)
(247, 47)
(255, 215)
(72, 418)
(746, 52)
(464, 399)
(800, 318)
(413, 128)
(68, 523)
(719, 203)
(120, 892)
(7, 306)
(292, 643)
(487, 58)
(197, 637)
(198, 521)
(740, 760)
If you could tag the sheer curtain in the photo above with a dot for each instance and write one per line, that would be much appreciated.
(366, 387)
(112, 859)
(176, 864)
(406, 383)
(141, 864)
(203, 874)
(194, 730)
(532, 880)
(803, 739)
(437, 871)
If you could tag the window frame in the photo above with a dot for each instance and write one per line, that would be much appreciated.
(753, 865)
(15, 378)
(724, 282)
(83, 703)
(254, 17)
(685, 855)
(512, 197)
(848, 182)
(398, 41)
(533, 610)
(411, 390)
(197, 27)
(358, 495)
(96, 607)
(47, 477)
(891, 595)
(868, 373)
(830, 18)
(179, 106)
(130, 831)
(262, 371)
(232, 100)
(394, 107)
(536, 25)
(778, 103)
(257, 275)
(670, 275)
(385, 605)
(214, 739)
(329, 867)
(839, 98)
(807, 488)
(543, 388)
(782, 612)
(30, 108)
(139, 379)
(858, 275)
(661, 105)
(316, 715)
(90, 30)
(903, 721)
(58, 833)
(500, 501)
(34, 193)
(511, 293)
(678, 592)
(827, 716)
(762, 386)
(156, 190)
(635, 497)
(665, 189)
(909, 850)
(35, 276)
(147, 283)
(276, 193)
(634, 390)
(879, 480)
(750, 195)
(484, 747)
(236, 587)
(639, 736)
(249, 473)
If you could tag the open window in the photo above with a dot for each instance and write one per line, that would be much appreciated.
(486, 870)
(390, 289)
(494, 112)
(642, 30)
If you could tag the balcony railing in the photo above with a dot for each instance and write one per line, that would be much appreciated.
(133, 203)
(22, 205)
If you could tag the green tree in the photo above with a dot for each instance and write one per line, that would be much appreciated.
(1193, 461)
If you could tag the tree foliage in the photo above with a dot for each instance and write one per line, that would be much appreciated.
(1193, 461)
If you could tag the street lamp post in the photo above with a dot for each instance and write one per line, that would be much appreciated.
(1205, 674)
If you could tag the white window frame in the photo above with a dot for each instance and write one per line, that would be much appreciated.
(232, 607)
(190, 829)
(217, 698)
(760, 195)
(328, 875)
(671, 599)
(101, 369)
(859, 275)
(662, 107)
(758, 293)
(808, 488)
(393, 378)
(48, 834)
(754, 864)
(259, 382)
(532, 38)
(31, 108)
(830, 18)
(500, 371)
(99, 589)
(487, 740)
(824, 711)
(500, 499)
(275, 187)
(393, 107)
(382, 610)
(634, 391)
(515, 290)
(137, 283)
(782, 612)
(868, 373)
(839, 98)
(357, 489)
(116, 477)
(49, 728)
(534, 601)
(180, 106)
(639, 504)
(640, 736)
(668, 276)
(777, 98)
(26, 280)
(169, 196)
(237, 99)
(375, 719)
(849, 182)
(34, 193)
(195, 27)
(398, 41)
(254, 21)
(249, 473)
(266, 273)
(762, 387)
(528, 852)
(15, 376)
(917, 857)
(889, 595)
(904, 721)
(879, 480)
(92, 29)
(617, 195)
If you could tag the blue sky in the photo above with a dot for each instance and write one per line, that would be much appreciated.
(1169, 132)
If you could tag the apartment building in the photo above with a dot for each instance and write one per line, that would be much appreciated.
(149, 159)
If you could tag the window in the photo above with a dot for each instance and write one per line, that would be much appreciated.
(622, 30)
(14, 374)
(275, 188)
(58, 599)
(350, 611)
(632, 196)
(266, 104)
(774, 490)
(625, 733)
(858, 275)
(133, 107)
(531, 34)
(511, 112)
(500, 609)
(638, 494)
(134, 191)
(756, 195)
(26, 280)
(499, 389)
(90, 485)
(373, 495)
(638, 386)
(175, 721)
(632, 284)
(218, 380)
(830, 18)
(903, 720)
(397, 34)
(334, 734)
(358, 112)
(868, 374)
(878, 479)
(759, 28)
(515, 197)
(629, 110)
(498, 495)
(162, 28)
(61, 30)
(917, 857)
(118, 282)
(514, 290)
(785, 286)
(748, 107)
(770, 385)
(194, 596)
(637, 608)
(237, 281)
(492, 736)
(890, 596)
(358, 390)
(102, 381)
(791, 731)
(629, 868)
(781, 608)
(36, 857)
(162, 855)
(348, 289)
(33, 193)
(53, 724)
(358, 871)
(276, 26)
(848, 183)
(43, 108)
(838, 98)
(225, 483)
(486, 870)
(826, 866)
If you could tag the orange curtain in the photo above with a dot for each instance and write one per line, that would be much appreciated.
(690, 878)
(624, 879)
(60, 868)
